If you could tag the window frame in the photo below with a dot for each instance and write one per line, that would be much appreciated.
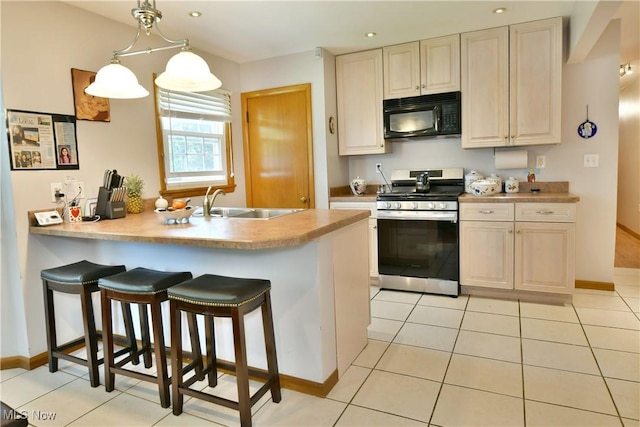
(190, 191)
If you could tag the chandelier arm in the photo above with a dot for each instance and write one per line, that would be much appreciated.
(183, 42)
(150, 50)
(121, 52)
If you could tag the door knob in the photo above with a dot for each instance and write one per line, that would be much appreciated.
(303, 199)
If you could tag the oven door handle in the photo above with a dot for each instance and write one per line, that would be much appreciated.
(449, 216)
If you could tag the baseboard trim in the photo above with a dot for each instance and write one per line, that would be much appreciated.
(628, 230)
(598, 286)
(292, 383)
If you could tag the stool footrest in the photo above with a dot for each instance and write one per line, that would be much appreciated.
(134, 374)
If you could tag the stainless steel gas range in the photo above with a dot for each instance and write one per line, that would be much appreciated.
(418, 231)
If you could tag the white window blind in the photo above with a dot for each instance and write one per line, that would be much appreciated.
(194, 127)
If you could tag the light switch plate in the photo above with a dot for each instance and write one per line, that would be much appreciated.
(541, 162)
(591, 160)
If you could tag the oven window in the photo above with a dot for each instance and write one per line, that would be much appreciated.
(411, 122)
(418, 248)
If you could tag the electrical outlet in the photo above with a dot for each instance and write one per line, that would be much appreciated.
(591, 160)
(541, 162)
(56, 188)
(75, 190)
(378, 167)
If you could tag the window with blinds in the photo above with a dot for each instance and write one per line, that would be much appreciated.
(196, 135)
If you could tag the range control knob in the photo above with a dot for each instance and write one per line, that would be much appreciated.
(397, 205)
(387, 205)
(430, 205)
(414, 205)
(442, 205)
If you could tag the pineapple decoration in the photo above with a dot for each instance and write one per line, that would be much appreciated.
(134, 186)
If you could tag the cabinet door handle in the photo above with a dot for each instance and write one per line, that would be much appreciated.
(510, 231)
(417, 87)
(544, 212)
(517, 231)
(487, 211)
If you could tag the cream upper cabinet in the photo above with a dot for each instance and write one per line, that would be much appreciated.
(511, 85)
(359, 98)
(522, 246)
(440, 64)
(401, 70)
(421, 68)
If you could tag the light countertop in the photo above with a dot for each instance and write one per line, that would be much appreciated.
(236, 233)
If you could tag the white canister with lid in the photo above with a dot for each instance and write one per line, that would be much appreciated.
(495, 178)
(469, 179)
(511, 185)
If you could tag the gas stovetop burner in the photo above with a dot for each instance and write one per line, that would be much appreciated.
(445, 185)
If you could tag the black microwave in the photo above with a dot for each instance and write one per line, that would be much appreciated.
(425, 115)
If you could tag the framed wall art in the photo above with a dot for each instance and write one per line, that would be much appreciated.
(42, 140)
(88, 107)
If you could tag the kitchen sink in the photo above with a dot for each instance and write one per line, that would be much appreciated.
(251, 213)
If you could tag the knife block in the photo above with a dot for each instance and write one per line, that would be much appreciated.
(108, 209)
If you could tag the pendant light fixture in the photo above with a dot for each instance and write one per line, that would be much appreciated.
(185, 71)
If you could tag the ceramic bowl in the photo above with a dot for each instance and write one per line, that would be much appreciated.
(484, 187)
(174, 216)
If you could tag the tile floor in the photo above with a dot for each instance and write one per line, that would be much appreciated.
(431, 360)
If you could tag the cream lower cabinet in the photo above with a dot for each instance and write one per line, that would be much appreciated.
(373, 230)
(522, 246)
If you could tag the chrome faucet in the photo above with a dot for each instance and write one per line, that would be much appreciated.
(208, 204)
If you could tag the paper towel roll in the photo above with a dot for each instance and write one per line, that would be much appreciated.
(516, 159)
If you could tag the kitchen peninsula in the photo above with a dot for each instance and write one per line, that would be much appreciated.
(317, 261)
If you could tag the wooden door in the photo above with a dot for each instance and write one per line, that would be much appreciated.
(278, 147)
(440, 65)
(401, 70)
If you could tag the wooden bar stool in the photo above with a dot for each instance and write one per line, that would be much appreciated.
(80, 278)
(145, 287)
(221, 296)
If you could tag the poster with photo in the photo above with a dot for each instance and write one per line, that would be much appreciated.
(42, 140)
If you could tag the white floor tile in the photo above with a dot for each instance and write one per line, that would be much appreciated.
(67, 403)
(614, 319)
(6, 374)
(630, 423)
(459, 406)
(184, 420)
(415, 361)
(299, 409)
(491, 323)
(492, 346)
(371, 354)
(436, 316)
(572, 389)
(549, 330)
(628, 290)
(599, 301)
(540, 414)
(618, 364)
(373, 291)
(356, 416)
(123, 410)
(459, 303)
(626, 394)
(493, 306)
(613, 338)
(32, 384)
(390, 310)
(560, 313)
(633, 303)
(555, 355)
(383, 329)
(434, 337)
(398, 296)
(485, 374)
(349, 384)
(398, 395)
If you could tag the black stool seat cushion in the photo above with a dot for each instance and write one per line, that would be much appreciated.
(143, 281)
(81, 272)
(221, 291)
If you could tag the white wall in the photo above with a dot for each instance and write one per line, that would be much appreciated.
(291, 70)
(42, 41)
(629, 159)
(594, 82)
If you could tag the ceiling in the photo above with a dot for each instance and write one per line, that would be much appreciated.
(245, 31)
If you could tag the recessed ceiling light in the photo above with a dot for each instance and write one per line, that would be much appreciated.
(195, 14)
(500, 10)
(371, 34)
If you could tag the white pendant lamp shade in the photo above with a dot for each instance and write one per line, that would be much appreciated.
(116, 81)
(187, 72)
